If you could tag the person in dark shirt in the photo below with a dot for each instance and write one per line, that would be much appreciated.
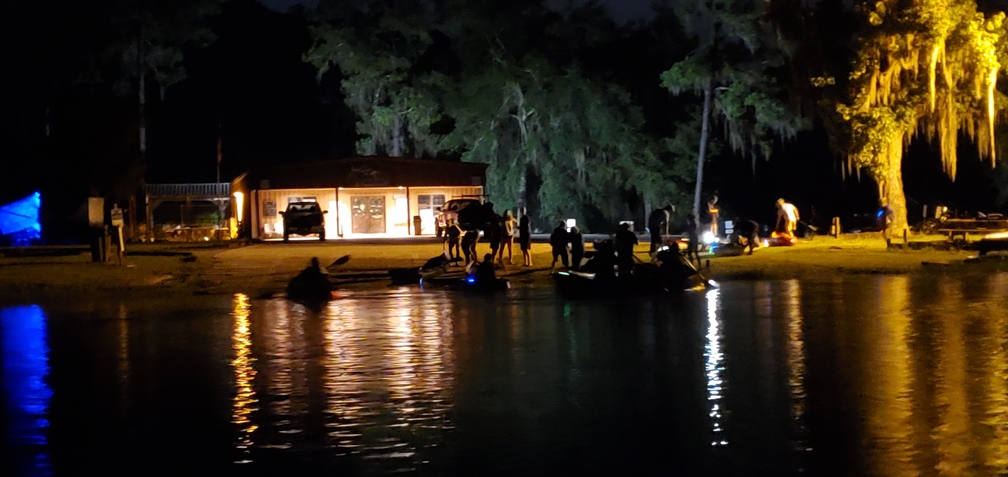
(485, 273)
(525, 237)
(469, 246)
(493, 234)
(453, 234)
(576, 241)
(625, 243)
(558, 243)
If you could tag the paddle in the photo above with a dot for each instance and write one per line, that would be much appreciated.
(688, 263)
(339, 261)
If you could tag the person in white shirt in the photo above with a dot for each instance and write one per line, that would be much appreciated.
(787, 215)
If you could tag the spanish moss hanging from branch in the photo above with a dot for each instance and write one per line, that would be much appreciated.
(924, 68)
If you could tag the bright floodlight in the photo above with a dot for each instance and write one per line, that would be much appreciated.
(708, 238)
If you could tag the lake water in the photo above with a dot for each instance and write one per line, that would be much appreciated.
(847, 375)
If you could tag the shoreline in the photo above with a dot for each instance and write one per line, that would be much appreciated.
(158, 271)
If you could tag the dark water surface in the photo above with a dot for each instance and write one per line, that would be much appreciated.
(853, 375)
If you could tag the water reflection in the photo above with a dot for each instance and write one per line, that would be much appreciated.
(244, 403)
(25, 370)
(713, 368)
(796, 361)
(383, 405)
(873, 375)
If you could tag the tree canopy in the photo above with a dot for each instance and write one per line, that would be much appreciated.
(924, 68)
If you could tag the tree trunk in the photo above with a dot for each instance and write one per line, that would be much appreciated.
(143, 120)
(702, 156)
(397, 136)
(892, 195)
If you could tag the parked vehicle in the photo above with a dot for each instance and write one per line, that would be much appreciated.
(469, 214)
(303, 218)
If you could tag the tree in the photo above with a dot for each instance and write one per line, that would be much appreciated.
(924, 68)
(376, 47)
(733, 68)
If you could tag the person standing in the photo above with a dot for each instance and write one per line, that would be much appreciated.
(525, 237)
(658, 223)
(715, 215)
(625, 243)
(493, 233)
(787, 217)
(508, 227)
(693, 236)
(452, 234)
(576, 241)
(558, 243)
(469, 246)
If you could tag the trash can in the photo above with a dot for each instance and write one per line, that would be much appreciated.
(416, 225)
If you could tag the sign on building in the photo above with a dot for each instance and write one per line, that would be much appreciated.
(269, 208)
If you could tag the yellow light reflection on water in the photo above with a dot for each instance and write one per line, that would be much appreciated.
(713, 368)
(889, 412)
(244, 403)
(796, 359)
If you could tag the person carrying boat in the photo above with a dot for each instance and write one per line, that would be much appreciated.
(625, 240)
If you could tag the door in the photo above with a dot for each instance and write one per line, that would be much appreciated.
(368, 214)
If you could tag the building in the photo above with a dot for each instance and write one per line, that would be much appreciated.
(362, 196)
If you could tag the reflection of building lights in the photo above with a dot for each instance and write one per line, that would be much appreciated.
(713, 368)
(244, 400)
(239, 204)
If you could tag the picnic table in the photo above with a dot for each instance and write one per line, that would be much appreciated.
(955, 228)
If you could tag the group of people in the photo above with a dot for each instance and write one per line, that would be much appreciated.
(567, 246)
(500, 232)
(745, 231)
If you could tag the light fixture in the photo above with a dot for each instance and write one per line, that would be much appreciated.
(239, 202)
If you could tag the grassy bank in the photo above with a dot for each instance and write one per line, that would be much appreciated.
(262, 269)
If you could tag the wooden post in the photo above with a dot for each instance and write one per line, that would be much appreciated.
(905, 240)
(835, 227)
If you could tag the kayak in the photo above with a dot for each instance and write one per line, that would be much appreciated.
(433, 268)
(309, 288)
(471, 284)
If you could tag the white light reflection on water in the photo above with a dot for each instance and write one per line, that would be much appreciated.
(244, 402)
(712, 353)
(389, 369)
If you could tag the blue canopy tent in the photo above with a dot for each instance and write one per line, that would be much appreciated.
(19, 220)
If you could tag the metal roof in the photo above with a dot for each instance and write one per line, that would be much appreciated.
(212, 190)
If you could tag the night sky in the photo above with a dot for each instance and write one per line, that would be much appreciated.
(621, 10)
